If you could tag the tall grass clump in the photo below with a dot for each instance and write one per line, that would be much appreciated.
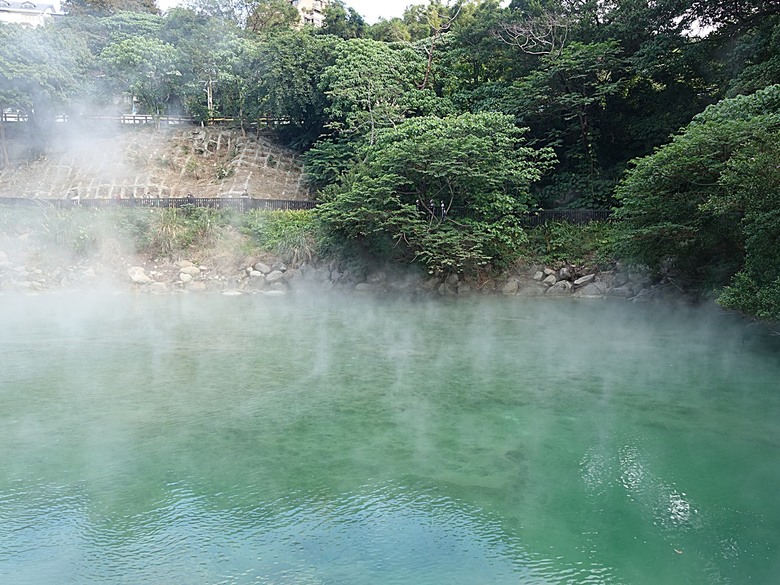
(173, 230)
(559, 241)
(291, 235)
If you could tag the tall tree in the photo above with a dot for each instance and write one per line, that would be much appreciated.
(208, 50)
(291, 73)
(146, 68)
(269, 15)
(440, 191)
(704, 207)
(343, 21)
(371, 86)
(108, 7)
(42, 72)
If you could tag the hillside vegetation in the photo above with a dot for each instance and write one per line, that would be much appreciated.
(427, 136)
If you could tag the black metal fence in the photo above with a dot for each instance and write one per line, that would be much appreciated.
(146, 119)
(575, 216)
(237, 203)
(242, 204)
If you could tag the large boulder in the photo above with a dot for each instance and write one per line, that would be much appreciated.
(274, 276)
(191, 270)
(560, 288)
(511, 287)
(138, 275)
(592, 290)
(583, 280)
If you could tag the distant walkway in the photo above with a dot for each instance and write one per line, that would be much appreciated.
(133, 119)
(237, 203)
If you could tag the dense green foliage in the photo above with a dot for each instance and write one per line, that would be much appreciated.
(376, 110)
(705, 207)
(444, 191)
(291, 235)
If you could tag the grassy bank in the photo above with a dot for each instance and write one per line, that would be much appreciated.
(213, 234)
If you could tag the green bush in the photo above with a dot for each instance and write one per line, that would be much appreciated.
(291, 235)
(556, 242)
(706, 203)
(474, 166)
(173, 230)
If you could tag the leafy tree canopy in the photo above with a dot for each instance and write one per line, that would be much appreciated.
(704, 207)
(440, 191)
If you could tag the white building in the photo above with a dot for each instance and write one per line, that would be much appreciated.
(29, 12)
(312, 11)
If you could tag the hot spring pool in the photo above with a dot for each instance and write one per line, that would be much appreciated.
(234, 440)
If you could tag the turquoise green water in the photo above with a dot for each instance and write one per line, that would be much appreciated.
(215, 440)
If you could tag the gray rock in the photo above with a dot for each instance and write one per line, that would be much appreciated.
(158, 288)
(257, 281)
(535, 290)
(446, 290)
(488, 288)
(138, 275)
(364, 287)
(279, 266)
(432, 283)
(583, 280)
(377, 277)
(191, 270)
(593, 290)
(620, 279)
(538, 276)
(464, 289)
(549, 271)
(263, 268)
(562, 287)
(452, 279)
(511, 287)
(564, 273)
(274, 276)
(550, 280)
(624, 292)
(196, 286)
(185, 278)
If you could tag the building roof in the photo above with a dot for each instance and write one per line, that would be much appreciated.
(28, 12)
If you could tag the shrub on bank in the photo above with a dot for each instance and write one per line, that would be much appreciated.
(290, 235)
(562, 242)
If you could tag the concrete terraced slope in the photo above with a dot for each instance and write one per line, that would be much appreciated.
(209, 162)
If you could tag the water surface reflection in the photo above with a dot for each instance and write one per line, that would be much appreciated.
(268, 440)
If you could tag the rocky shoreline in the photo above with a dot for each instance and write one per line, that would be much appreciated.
(272, 276)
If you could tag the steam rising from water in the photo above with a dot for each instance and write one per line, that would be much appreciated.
(324, 440)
